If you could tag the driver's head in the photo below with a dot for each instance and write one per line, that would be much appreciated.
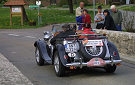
(65, 27)
(81, 5)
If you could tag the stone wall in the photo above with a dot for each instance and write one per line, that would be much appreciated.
(124, 41)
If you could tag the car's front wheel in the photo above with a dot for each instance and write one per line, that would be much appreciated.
(58, 66)
(110, 68)
(39, 59)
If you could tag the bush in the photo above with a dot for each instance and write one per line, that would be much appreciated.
(2, 2)
(1, 5)
(65, 6)
(78, 2)
(63, 2)
(116, 3)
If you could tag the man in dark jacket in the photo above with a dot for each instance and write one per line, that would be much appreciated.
(64, 34)
(109, 23)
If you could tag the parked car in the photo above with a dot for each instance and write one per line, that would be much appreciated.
(75, 52)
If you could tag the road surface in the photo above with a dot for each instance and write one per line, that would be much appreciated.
(17, 47)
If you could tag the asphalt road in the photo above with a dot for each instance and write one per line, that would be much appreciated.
(17, 46)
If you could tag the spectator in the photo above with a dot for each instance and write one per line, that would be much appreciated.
(79, 13)
(99, 18)
(86, 19)
(109, 23)
(87, 27)
(117, 17)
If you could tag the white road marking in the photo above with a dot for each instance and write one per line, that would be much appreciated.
(19, 35)
(14, 35)
(13, 52)
(30, 37)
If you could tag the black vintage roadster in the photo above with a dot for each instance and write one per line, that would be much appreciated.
(93, 50)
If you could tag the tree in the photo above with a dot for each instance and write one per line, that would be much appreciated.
(70, 2)
(25, 17)
(3, 1)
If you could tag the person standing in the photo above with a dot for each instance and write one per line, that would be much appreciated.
(117, 17)
(86, 20)
(99, 18)
(87, 24)
(109, 23)
(79, 13)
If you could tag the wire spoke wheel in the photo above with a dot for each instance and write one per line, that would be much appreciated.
(58, 66)
(37, 55)
(94, 50)
(56, 63)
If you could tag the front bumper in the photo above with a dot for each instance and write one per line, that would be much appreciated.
(82, 64)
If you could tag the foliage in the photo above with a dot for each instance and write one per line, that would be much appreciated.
(78, 2)
(63, 2)
(53, 6)
(128, 8)
(65, 6)
(2, 2)
(132, 1)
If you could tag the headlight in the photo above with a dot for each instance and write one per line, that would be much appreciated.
(46, 37)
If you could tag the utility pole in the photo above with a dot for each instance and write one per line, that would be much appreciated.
(94, 11)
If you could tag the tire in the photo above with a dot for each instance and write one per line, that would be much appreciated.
(110, 69)
(39, 59)
(87, 56)
(58, 66)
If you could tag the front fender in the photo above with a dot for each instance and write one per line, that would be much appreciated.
(42, 46)
(61, 52)
(112, 49)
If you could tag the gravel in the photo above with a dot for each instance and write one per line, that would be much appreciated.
(10, 75)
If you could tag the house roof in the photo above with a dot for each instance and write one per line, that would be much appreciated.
(14, 2)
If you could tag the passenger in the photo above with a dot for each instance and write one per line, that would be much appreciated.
(99, 18)
(109, 23)
(65, 33)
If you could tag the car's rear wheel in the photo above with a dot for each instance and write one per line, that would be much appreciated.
(58, 66)
(93, 51)
(110, 68)
(39, 59)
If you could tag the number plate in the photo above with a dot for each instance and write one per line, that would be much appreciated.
(94, 43)
(70, 48)
(96, 62)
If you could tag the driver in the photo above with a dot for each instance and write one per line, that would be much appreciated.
(65, 33)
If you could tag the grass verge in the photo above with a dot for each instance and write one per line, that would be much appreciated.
(49, 16)
(128, 8)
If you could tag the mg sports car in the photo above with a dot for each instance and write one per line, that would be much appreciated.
(78, 50)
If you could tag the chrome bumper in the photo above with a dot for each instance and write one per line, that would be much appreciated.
(79, 64)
